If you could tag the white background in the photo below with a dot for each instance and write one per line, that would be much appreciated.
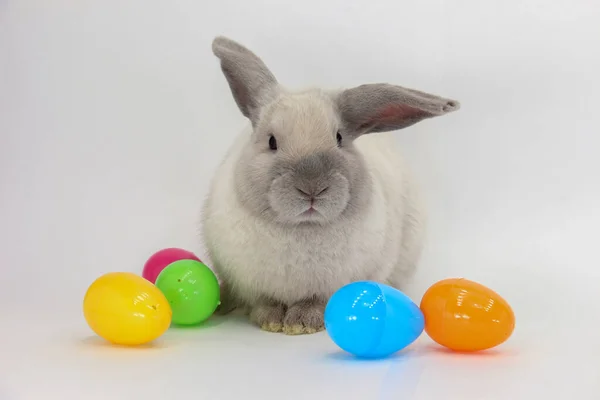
(114, 115)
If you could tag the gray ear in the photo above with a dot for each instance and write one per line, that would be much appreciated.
(382, 107)
(250, 80)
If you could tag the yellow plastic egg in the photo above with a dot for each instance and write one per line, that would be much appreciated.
(126, 309)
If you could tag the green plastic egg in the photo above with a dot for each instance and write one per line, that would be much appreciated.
(192, 290)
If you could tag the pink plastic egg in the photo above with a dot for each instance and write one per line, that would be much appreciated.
(159, 261)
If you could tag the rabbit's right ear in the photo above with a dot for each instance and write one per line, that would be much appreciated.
(250, 81)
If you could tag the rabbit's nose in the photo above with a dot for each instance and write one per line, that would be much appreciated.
(313, 192)
(311, 175)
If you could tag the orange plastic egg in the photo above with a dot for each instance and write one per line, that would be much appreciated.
(463, 315)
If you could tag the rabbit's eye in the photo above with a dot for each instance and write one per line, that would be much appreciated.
(272, 143)
(339, 139)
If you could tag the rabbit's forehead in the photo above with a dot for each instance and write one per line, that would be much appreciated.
(304, 118)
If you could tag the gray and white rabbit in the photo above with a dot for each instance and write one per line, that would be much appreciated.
(313, 196)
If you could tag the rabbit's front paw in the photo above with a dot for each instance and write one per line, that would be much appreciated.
(269, 317)
(304, 317)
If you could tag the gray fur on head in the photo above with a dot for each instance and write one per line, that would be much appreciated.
(310, 164)
(309, 177)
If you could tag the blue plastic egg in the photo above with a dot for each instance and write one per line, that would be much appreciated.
(372, 320)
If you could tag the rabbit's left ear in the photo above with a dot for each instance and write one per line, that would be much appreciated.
(251, 82)
(383, 107)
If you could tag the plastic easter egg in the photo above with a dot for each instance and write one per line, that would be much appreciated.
(372, 320)
(159, 260)
(463, 315)
(126, 309)
(192, 290)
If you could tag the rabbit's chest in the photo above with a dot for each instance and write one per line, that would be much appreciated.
(292, 265)
(306, 266)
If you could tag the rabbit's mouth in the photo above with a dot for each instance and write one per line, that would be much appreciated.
(310, 213)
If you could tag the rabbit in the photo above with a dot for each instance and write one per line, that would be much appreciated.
(312, 195)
